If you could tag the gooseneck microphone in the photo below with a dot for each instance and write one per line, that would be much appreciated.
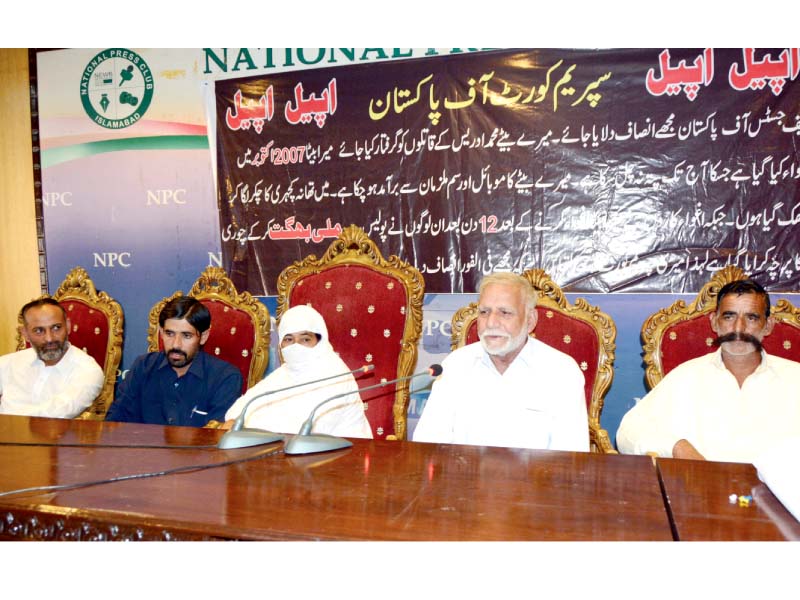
(242, 437)
(306, 443)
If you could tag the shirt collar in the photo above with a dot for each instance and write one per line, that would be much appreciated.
(525, 356)
(59, 366)
(764, 365)
(766, 362)
(35, 360)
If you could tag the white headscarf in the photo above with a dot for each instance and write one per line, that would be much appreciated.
(308, 363)
(285, 412)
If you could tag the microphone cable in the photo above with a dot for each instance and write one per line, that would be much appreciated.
(136, 446)
(185, 469)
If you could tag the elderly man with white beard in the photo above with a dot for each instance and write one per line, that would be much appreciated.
(509, 389)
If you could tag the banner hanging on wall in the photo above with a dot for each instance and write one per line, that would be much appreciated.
(126, 169)
(632, 170)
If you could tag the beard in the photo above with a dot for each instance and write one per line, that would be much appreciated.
(734, 336)
(512, 343)
(51, 352)
(178, 358)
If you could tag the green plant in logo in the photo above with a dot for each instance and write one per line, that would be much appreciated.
(116, 88)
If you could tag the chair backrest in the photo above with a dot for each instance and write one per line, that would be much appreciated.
(96, 327)
(580, 330)
(373, 310)
(240, 325)
(679, 332)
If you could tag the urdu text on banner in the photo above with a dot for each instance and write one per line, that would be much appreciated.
(613, 170)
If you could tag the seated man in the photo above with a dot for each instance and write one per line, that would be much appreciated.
(508, 389)
(729, 405)
(307, 356)
(777, 467)
(52, 378)
(181, 385)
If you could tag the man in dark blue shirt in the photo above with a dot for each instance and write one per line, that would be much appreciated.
(181, 385)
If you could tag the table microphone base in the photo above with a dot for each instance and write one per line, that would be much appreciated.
(318, 442)
(245, 438)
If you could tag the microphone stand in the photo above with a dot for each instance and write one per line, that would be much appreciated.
(307, 443)
(240, 436)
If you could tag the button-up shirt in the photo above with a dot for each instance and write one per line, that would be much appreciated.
(65, 389)
(538, 402)
(701, 401)
(152, 392)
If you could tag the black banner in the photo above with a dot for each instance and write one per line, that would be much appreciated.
(613, 170)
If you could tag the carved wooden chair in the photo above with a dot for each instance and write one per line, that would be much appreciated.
(373, 310)
(240, 325)
(679, 332)
(96, 328)
(580, 330)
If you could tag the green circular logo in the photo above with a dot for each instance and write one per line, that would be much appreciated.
(116, 88)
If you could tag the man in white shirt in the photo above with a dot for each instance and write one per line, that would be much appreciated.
(51, 378)
(730, 405)
(508, 389)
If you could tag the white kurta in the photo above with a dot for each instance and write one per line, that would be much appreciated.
(29, 387)
(538, 402)
(285, 412)
(701, 401)
(777, 467)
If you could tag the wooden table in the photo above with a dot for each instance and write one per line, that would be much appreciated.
(697, 493)
(376, 490)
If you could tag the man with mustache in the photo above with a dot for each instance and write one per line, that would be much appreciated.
(729, 405)
(182, 385)
(509, 389)
(52, 378)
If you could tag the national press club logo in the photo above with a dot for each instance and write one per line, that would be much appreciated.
(116, 88)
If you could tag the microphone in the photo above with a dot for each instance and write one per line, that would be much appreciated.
(306, 443)
(243, 437)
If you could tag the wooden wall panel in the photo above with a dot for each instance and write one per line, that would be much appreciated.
(19, 259)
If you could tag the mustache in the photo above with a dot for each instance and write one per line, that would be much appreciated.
(741, 336)
(178, 352)
(52, 345)
(496, 333)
